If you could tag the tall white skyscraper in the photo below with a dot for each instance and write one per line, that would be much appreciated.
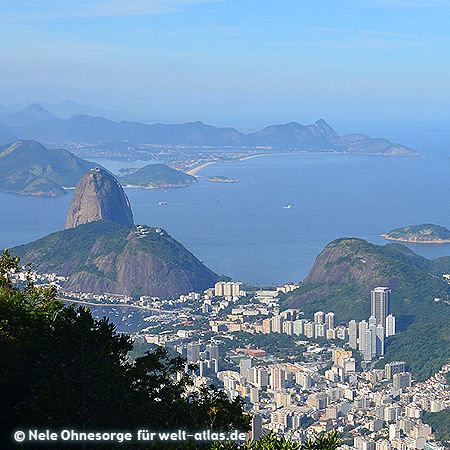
(380, 304)
(363, 325)
(367, 350)
(373, 335)
(352, 334)
(319, 317)
(331, 320)
(390, 325)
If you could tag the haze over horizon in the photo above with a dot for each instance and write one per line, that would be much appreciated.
(242, 64)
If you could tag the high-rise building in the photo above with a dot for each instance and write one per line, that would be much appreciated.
(394, 367)
(363, 326)
(288, 327)
(244, 365)
(303, 379)
(380, 304)
(193, 352)
(261, 377)
(256, 427)
(289, 314)
(277, 324)
(254, 395)
(228, 289)
(331, 320)
(320, 330)
(319, 317)
(367, 352)
(309, 329)
(213, 350)
(373, 334)
(277, 378)
(401, 380)
(390, 325)
(298, 327)
(352, 334)
(379, 333)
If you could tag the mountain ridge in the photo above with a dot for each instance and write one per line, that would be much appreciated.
(29, 168)
(347, 269)
(105, 257)
(29, 115)
(291, 136)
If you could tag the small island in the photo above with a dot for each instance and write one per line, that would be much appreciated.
(220, 179)
(428, 233)
(156, 176)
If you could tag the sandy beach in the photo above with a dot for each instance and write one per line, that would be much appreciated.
(196, 169)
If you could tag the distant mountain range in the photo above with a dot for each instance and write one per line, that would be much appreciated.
(31, 114)
(35, 122)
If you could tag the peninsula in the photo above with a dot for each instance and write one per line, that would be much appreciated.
(420, 234)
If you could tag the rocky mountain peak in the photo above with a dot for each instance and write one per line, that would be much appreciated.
(99, 196)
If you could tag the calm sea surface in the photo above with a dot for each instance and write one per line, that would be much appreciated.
(245, 231)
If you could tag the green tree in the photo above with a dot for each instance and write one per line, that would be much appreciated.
(62, 368)
(270, 441)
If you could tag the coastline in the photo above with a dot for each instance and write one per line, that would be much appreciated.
(194, 170)
(411, 241)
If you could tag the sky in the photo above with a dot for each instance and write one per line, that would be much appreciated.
(242, 63)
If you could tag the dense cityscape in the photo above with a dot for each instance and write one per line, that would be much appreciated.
(332, 378)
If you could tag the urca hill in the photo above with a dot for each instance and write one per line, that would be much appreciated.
(102, 251)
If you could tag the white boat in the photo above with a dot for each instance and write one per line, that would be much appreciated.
(288, 207)
(162, 203)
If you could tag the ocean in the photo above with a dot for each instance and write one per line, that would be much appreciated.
(246, 230)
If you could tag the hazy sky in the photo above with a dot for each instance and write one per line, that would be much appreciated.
(243, 63)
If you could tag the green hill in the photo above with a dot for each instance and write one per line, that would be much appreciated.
(28, 168)
(428, 233)
(345, 272)
(103, 256)
(157, 176)
(440, 422)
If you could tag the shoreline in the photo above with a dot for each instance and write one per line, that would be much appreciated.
(410, 241)
(194, 170)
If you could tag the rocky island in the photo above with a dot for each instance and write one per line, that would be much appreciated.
(428, 233)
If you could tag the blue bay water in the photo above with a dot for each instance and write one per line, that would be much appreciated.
(243, 229)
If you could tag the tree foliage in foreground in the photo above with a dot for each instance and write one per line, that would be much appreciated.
(270, 441)
(62, 368)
